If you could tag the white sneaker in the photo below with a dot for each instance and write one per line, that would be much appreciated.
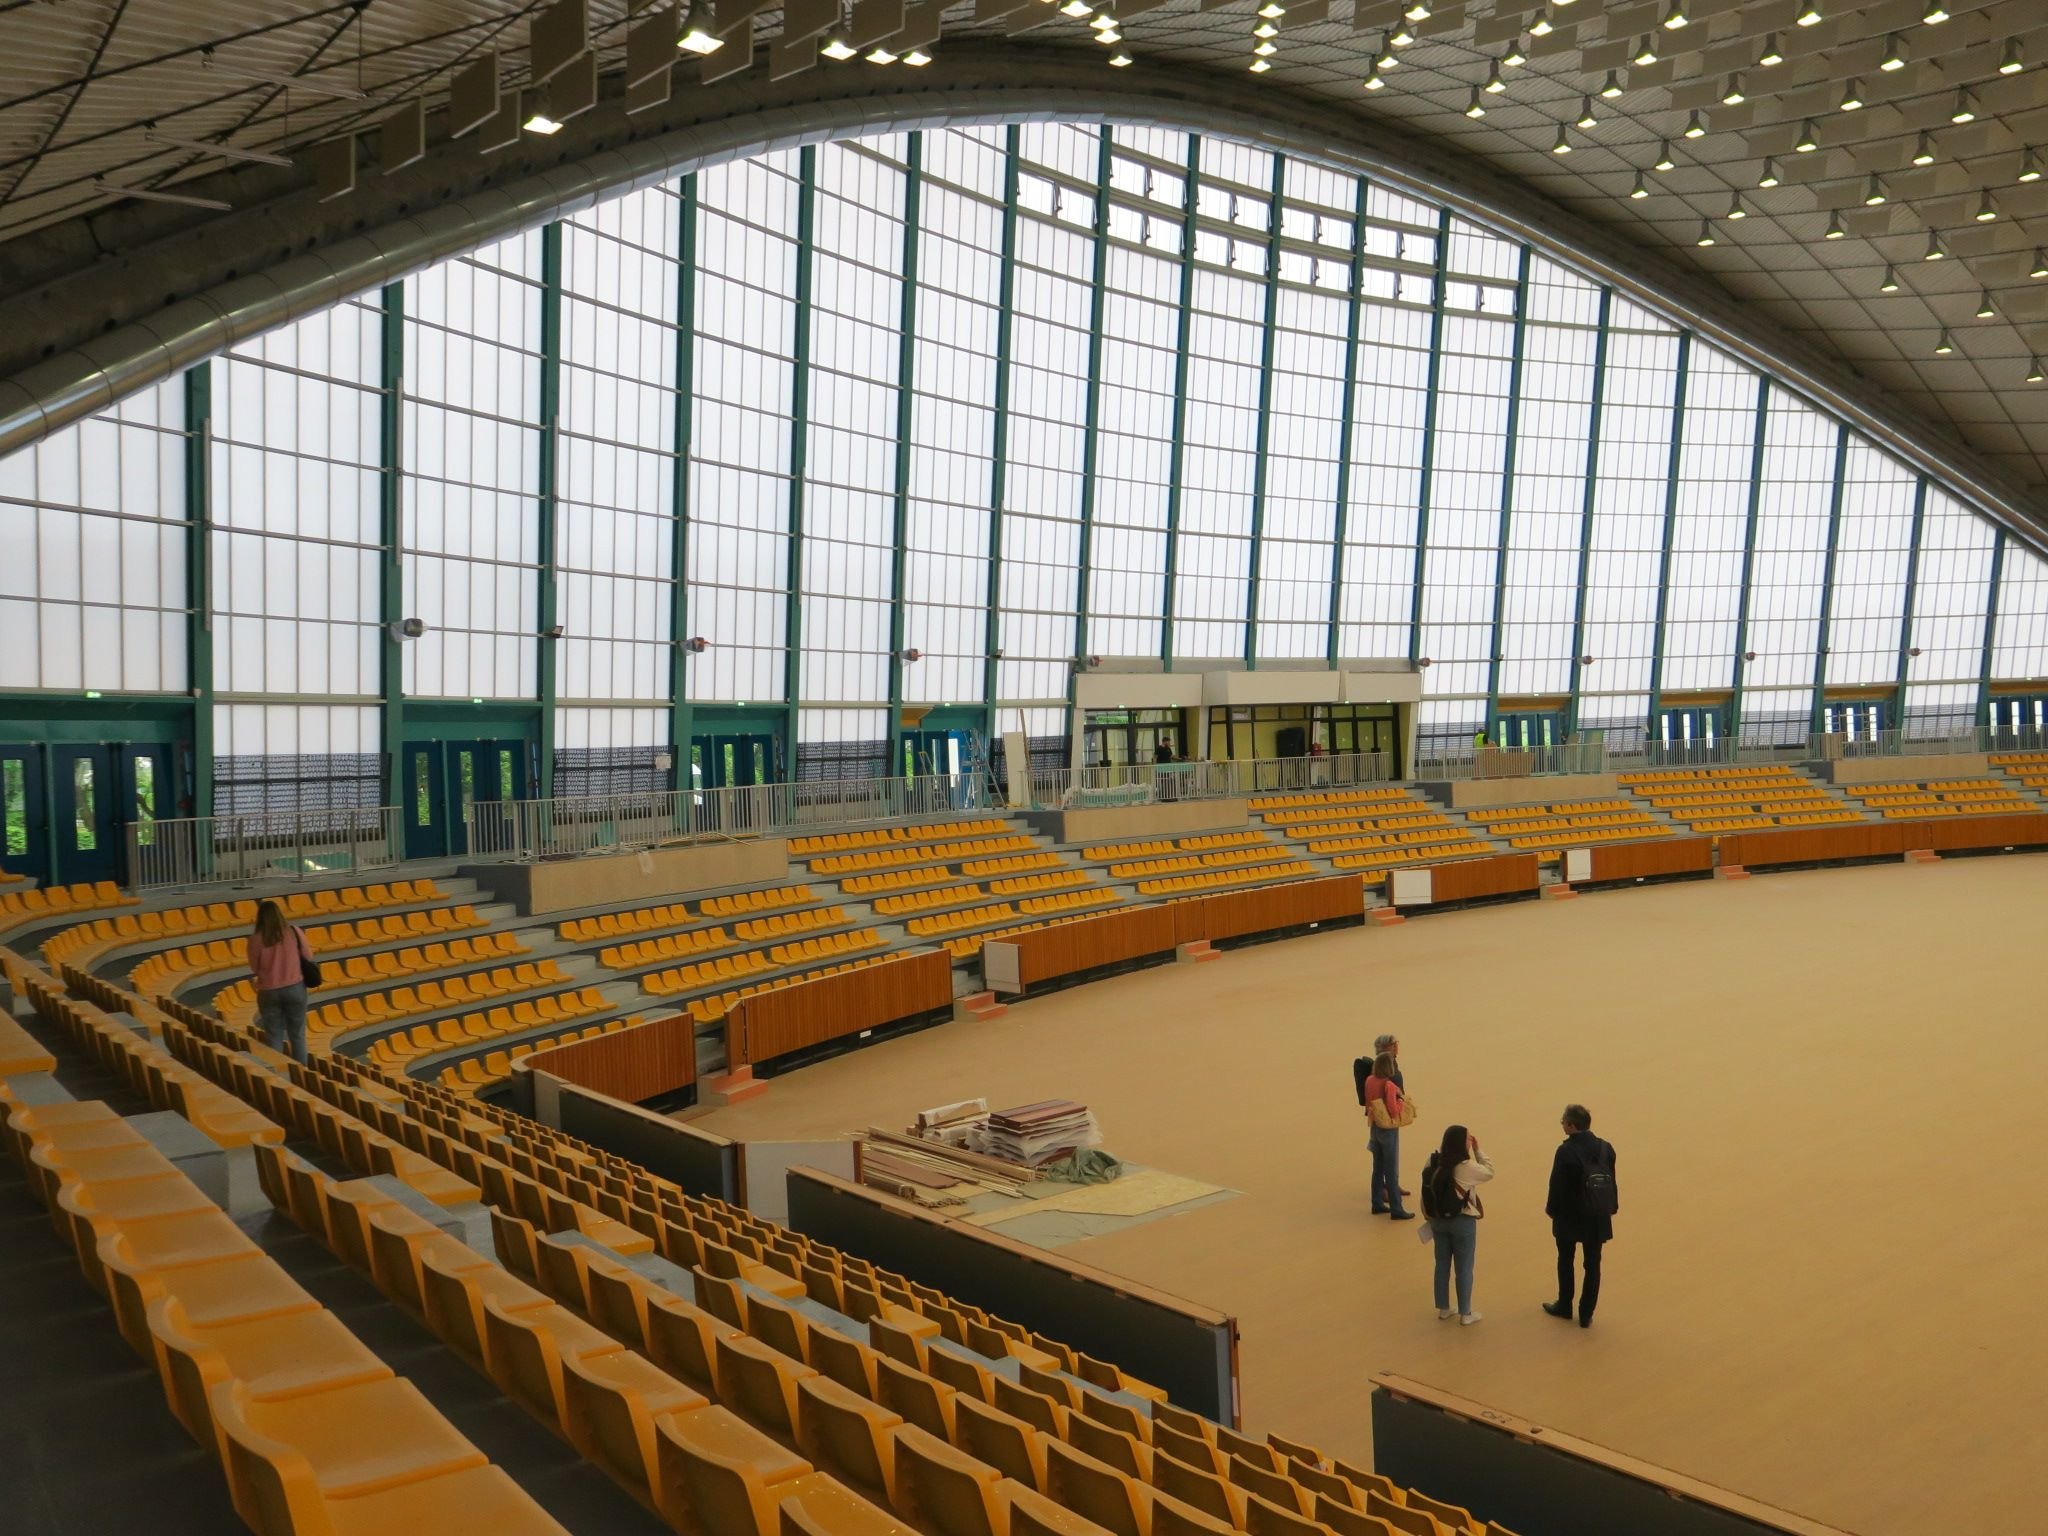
(1444, 1314)
(1469, 1319)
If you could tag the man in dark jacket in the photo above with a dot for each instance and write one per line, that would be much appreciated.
(1584, 1198)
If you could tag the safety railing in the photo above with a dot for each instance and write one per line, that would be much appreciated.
(1910, 742)
(1115, 784)
(569, 825)
(1476, 762)
(250, 845)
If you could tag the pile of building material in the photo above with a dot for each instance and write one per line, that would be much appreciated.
(934, 1174)
(952, 1124)
(1036, 1134)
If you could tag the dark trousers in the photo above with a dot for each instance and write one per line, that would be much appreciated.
(1589, 1296)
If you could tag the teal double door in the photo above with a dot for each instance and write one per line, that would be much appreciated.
(441, 783)
(67, 808)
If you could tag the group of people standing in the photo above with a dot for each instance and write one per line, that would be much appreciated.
(1581, 1204)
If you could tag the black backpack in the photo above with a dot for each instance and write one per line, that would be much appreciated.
(1361, 1069)
(1598, 1197)
(1433, 1208)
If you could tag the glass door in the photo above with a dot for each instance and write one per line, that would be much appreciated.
(426, 800)
(24, 815)
(87, 794)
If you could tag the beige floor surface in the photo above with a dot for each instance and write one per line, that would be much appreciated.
(1827, 1280)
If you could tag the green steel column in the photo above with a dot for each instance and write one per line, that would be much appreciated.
(1593, 416)
(685, 422)
(1998, 542)
(1424, 483)
(550, 428)
(1671, 465)
(1345, 425)
(799, 449)
(1091, 422)
(906, 399)
(1756, 498)
(999, 433)
(391, 540)
(1176, 449)
(198, 584)
(1262, 441)
(1912, 598)
(1827, 580)
(1507, 496)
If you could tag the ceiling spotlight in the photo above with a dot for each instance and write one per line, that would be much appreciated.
(838, 49)
(2015, 58)
(1271, 11)
(1612, 88)
(2034, 374)
(1494, 84)
(1675, 17)
(1265, 50)
(1265, 29)
(1563, 146)
(1103, 19)
(1987, 210)
(1106, 35)
(2040, 266)
(2030, 168)
(917, 58)
(1809, 14)
(1664, 162)
(1694, 128)
(1076, 9)
(697, 40)
(1835, 230)
(1541, 27)
(1260, 66)
(880, 55)
(1769, 178)
(1733, 96)
(1894, 54)
(1935, 14)
(1373, 82)
(1935, 249)
(1515, 57)
(1923, 152)
(1122, 60)
(1772, 54)
(1966, 107)
(1419, 11)
(1874, 191)
(1646, 51)
(1807, 142)
(1384, 61)
(1890, 282)
(1852, 97)
(1641, 189)
(1735, 208)
(543, 125)
(1985, 308)
(1586, 118)
(1401, 36)
(1943, 344)
(1477, 106)
(1706, 235)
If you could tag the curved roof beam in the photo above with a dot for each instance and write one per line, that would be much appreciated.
(186, 292)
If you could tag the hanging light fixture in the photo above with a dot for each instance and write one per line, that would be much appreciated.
(1373, 82)
(1807, 143)
(1260, 66)
(2030, 168)
(1834, 230)
(1809, 14)
(1987, 210)
(1935, 249)
(1874, 192)
(1586, 118)
(1769, 175)
(1494, 84)
(2040, 266)
(1265, 50)
(1944, 344)
(1646, 50)
(2034, 374)
(1923, 152)
(1675, 18)
(1935, 14)
(1641, 189)
(2014, 59)
(1477, 106)
(1890, 282)
(1966, 107)
(1541, 26)
(1985, 308)
(1771, 55)
(1894, 54)
(1735, 208)
(1733, 96)
(1563, 146)
(1120, 60)
(1706, 234)
(1612, 88)
(1664, 162)
(1852, 96)
(1516, 56)
(1694, 127)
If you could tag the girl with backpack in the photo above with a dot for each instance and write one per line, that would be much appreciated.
(282, 967)
(1450, 1199)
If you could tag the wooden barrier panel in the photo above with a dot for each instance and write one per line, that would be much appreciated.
(787, 1019)
(636, 1064)
(1065, 949)
(2023, 830)
(1882, 839)
(1657, 856)
(1294, 904)
(1469, 879)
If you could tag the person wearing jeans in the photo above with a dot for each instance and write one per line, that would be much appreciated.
(1450, 1197)
(1578, 1220)
(277, 954)
(1386, 1111)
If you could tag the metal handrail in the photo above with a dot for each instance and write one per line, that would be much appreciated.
(250, 845)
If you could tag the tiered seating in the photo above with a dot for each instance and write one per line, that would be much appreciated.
(237, 1002)
(996, 912)
(743, 902)
(612, 925)
(394, 1052)
(697, 941)
(710, 1008)
(1568, 823)
(162, 974)
(1941, 797)
(2030, 768)
(752, 962)
(366, 1010)
(918, 853)
(86, 941)
(883, 837)
(473, 1074)
(42, 903)
(1265, 873)
(1368, 830)
(1738, 799)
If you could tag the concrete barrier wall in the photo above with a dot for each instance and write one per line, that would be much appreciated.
(1485, 794)
(1168, 818)
(1906, 770)
(614, 879)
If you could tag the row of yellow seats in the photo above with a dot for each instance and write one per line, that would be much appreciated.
(688, 978)
(1557, 808)
(743, 902)
(1973, 808)
(170, 922)
(937, 831)
(1931, 786)
(1374, 866)
(1427, 837)
(1066, 901)
(430, 997)
(473, 1074)
(708, 1010)
(921, 901)
(1405, 816)
(1766, 800)
(1261, 804)
(237, 1001)
(1522, 825)
(394, 1051)
(968, 917)
(2019, 759)
(669, 946)
(52, 900)
(1703, 775)
(157, 974)
(823, 947)
(896, 858)
(1221, 840)
(1229, 859)
(896, 880)
(1580, 835)
(1264, 875)
(1130, 850)
(1014, 864)
(612, 925)
(1167, 845)
(1994, 799)
(1060, 880)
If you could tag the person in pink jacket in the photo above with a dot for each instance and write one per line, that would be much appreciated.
(277, 956)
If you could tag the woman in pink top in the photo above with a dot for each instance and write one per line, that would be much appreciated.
(277, 952)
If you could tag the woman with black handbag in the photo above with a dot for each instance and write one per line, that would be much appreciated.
(283, 967)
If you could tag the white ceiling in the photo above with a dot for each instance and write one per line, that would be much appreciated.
(84, 80)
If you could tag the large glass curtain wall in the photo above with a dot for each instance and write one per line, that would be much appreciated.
(923, 421)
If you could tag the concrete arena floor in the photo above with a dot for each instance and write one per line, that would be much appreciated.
(1823, 1086)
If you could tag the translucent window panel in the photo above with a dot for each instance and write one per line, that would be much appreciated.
(738, 566)
(843, 744)
(610, 730)
(1464, 488)
(1299, 521)
(1794, 496)
(1873, 546)
(1134, 452)
(296, 445)
(615, 514)
(1386, 481)
(1709, 522)
(1950, 601)
(1547, 499)
(1218, 465)
(296, 756)
(92, 552)
(2019, 647)
(470, 505)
